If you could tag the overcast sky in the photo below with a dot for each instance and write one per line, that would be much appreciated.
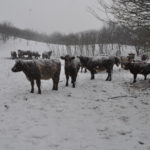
(49, 16)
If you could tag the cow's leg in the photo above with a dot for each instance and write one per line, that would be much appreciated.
(73, 78)
(92, 75)
(67, 79)
(109, 77)
(85, 70)
(38, 83)
(109, 71)
(145, 76)
(55, 83)
(134, 78)
(32, 86)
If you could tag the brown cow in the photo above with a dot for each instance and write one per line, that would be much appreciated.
(38, 70)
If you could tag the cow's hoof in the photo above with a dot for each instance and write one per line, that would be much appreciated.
(31, 91)
(39, 92)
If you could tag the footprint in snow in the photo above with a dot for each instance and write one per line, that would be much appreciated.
(124, 118)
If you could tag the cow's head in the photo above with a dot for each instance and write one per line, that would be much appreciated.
(18, 66)
(127, 65)
(67, 59)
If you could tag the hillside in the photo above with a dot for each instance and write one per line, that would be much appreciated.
(15, 44)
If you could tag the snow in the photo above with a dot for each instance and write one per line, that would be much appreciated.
(96, 115)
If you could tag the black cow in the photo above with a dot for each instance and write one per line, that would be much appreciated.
(72, 66)
(23, 53)
(39, 69)
(138, 68)
(34, 54)
(96, 64)
(46, 55)
(13, 55)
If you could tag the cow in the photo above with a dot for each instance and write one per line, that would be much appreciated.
(72, 66)
(34, 54)
(138, 68)
(96, 64)
(46, 55)
(13, 55)
(144, 57)
(83, 60)
(38, 70)
(29, 54)
(23, 53)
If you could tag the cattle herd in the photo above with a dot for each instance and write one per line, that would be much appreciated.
(28, 54)
(50, 68)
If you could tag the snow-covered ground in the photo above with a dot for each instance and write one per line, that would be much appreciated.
(96, 115)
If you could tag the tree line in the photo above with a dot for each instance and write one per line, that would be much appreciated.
(8, 30)
(109, 34)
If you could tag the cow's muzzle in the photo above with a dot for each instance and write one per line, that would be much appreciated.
(13, 70)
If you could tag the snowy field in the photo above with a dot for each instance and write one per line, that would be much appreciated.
(96, 115)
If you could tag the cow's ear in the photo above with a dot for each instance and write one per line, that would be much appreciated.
(19, 61)
(62, 57)
(72, 57)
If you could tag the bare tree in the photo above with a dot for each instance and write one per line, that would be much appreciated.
(133, 14)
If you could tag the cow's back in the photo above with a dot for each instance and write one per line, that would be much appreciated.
(48, 68)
